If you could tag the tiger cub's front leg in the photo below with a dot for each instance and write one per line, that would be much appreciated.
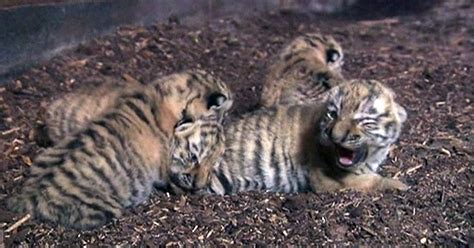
(372, 182)
(367, 182)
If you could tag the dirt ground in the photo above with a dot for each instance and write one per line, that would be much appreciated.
(425, 57)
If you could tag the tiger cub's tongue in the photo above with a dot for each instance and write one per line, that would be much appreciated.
(346, 156)
(345, 161)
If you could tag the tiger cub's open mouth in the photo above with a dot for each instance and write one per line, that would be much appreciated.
(347, 157)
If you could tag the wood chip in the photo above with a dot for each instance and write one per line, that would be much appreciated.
(7, 132)
(26, 160)
(413, 169)
(369, 231)
(18, 223)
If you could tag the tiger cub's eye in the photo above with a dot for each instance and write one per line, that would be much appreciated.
(331, 114)
(184, 120)
(370, 126)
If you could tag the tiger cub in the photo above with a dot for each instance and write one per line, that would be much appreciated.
(113, 163)
(306, 68)
(74, 111)
(327, 146)
(197, 148)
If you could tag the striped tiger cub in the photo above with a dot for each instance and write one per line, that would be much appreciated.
(74, 111)
(305, 68)
(114, 162)
(197, 148)
(326, 146)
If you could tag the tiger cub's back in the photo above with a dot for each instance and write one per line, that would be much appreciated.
(303, 70)
(262, 152)
(74, 111)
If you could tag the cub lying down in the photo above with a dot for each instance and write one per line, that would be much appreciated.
(112, 159)
(333, 145)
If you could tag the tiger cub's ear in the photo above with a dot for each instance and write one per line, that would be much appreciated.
(223, 107)
(216, 99)
(220, 111)
(333, 56)
(401, 112)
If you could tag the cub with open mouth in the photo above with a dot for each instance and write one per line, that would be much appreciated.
(349, 157)
(357, 135)
(324, 146)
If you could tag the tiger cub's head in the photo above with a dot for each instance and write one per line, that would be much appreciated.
(322, 48)
(196, 148)
(305, 68)
(193, 93)
(362, 120)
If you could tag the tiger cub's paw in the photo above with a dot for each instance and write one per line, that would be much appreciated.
(392, 184)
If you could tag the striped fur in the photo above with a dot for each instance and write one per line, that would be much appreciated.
(298, 148)
(113, 162)
(73, 112)
(304, 70)
(197, 148)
